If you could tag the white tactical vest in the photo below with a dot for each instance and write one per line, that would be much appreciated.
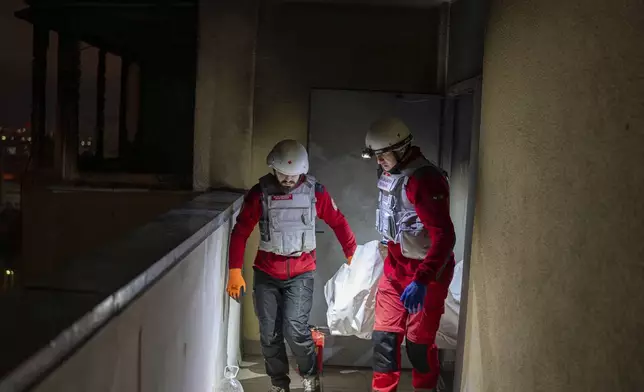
(287, 225)
(396, 217)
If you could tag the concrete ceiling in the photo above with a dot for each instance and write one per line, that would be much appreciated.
(391, 3)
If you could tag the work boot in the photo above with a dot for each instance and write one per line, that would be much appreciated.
(311, 383)
(275, 388)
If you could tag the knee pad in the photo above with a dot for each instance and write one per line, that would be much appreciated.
(418, 355)
(385, 351)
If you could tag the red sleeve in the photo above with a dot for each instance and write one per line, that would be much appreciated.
(247, 219)
(328, 211)
(429, 193)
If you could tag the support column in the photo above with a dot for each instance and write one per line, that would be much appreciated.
(442, 56)
(133, 102)
(67, 114)
(123, 106)
(39, 95)
(224, 99)
(100, 104)
(558, 258)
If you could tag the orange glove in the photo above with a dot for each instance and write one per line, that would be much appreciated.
(236, 283)
(349, 259)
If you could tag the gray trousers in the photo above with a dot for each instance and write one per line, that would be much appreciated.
(283, 308)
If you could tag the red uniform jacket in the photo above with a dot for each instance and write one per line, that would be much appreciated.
(283, 267)
(428, 191)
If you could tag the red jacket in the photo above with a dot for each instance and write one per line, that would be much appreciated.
(283, 267)
(428, 191)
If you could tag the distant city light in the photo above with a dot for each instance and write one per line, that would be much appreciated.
(15, 134)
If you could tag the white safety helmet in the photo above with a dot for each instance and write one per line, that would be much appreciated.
(387, 134)
(289, 157)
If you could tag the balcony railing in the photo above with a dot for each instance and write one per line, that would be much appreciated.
(156, 320)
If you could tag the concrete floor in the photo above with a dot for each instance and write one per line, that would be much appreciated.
(335, 379)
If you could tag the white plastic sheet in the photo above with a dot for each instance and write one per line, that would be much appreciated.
(351, 293)
(447, 335)
(457, 282)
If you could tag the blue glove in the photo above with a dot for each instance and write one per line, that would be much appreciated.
(413, 297)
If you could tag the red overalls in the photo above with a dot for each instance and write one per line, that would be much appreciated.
(428, 191)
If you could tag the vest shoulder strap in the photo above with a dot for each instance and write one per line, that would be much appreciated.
(315, 187)
(420, 166)
(319, 187)
(310, 180)
(269, 185)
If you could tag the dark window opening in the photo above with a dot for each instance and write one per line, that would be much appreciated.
(114, 94)
(101, 112)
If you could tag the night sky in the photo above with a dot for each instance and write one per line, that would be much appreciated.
(15, 80)
(15, 66)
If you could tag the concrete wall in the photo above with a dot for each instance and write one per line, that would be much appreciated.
(556, 275)
(224, 105)
(467, 28)
(59, 224)
(315, 46)
(224, 95)
(173, 338)
(459, 168)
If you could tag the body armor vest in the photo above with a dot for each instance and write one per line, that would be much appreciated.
(396, 217)
(287, 225)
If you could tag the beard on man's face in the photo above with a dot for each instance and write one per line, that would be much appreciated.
(286, 181)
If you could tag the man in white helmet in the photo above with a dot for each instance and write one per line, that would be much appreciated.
(413, 218)
(285, 203)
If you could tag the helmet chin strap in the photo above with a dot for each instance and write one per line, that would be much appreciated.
(400, 155)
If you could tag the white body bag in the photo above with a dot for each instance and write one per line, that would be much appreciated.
(351, 293)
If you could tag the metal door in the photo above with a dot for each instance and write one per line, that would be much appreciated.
(338, 122)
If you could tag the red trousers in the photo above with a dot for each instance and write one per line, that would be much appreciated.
(394, 323)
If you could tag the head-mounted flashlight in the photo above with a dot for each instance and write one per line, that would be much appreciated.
(367, 153)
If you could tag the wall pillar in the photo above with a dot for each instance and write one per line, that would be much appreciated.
(224, 110)
(556, 271)
(67, 114)
(224, 100)
(39, 93)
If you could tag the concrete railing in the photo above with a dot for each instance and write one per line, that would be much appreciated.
(167, 327)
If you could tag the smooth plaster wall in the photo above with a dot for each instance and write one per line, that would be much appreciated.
(172, 338)
(558, 258)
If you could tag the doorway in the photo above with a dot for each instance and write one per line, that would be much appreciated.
(338, 123)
